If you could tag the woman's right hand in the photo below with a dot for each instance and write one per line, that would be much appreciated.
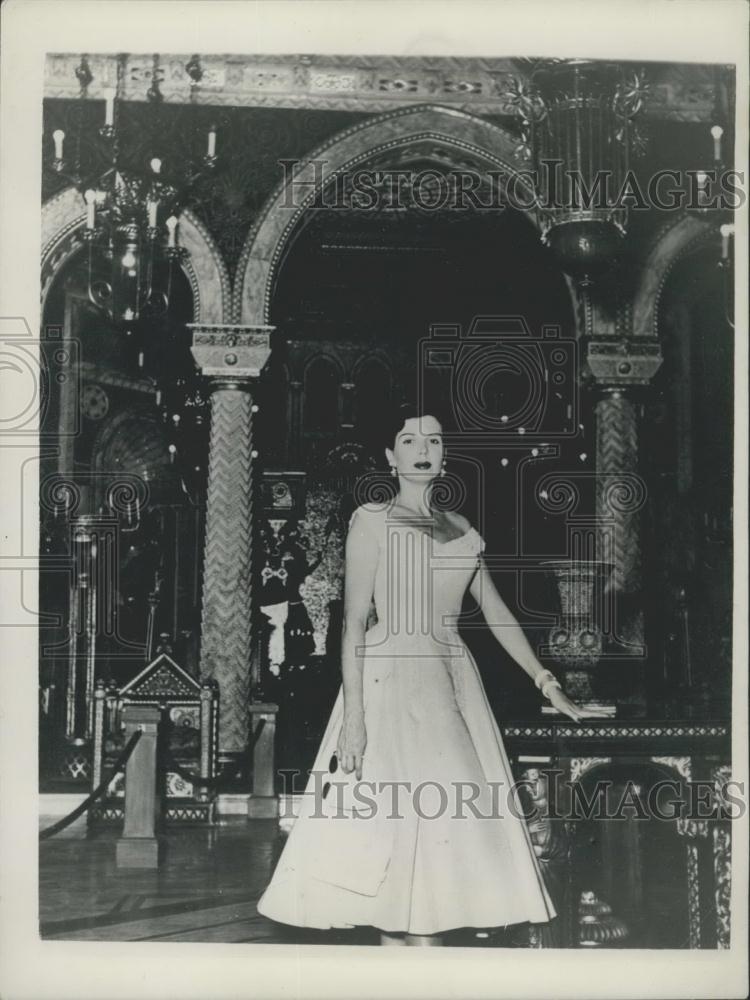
(351, 745)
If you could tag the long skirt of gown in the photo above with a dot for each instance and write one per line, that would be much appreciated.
(414, 860)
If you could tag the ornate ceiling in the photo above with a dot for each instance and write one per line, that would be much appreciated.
(680, 92)
(270, 109)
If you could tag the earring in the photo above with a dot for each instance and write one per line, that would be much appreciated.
(393, 471)
(442, 469)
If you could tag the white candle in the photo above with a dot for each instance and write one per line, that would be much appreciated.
(152, 208)
(90, 198)
(171, 229)
(716, 133)
(58, 136)
(701, 178)
(140, 359)
(212, 141)
(109, 107)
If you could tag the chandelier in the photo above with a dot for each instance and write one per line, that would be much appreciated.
(132, 206)
(577, 127)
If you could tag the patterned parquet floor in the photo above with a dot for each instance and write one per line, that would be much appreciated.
(205, 890)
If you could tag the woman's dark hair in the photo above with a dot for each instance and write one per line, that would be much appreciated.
(404, 411)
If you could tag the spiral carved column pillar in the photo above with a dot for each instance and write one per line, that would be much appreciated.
(232, 358)
(617, 496)
(620, 368)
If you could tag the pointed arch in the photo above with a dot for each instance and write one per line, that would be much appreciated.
(452, 136)
(670, 245)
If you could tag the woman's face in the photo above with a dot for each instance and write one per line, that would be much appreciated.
(418, 449)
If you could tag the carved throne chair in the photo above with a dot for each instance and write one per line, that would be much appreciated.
(188, 740)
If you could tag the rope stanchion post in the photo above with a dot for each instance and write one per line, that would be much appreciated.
(139, 847)
(97, 793)
(263, 803)
(100, 694)
(206, 763)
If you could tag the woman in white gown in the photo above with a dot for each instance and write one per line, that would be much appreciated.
(408, 823)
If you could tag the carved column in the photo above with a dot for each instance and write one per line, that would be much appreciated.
(231, 357)
(616, 497)
(619, 368)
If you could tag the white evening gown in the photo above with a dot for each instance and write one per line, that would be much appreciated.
(420, 864)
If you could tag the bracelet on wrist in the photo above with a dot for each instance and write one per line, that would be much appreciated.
(553, 683)
(543, 677)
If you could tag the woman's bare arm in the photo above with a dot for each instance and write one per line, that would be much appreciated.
(502, 623)
(511, 637)
(498, 616)
(359, 581)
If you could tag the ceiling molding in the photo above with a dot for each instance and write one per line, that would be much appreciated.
(352, 83)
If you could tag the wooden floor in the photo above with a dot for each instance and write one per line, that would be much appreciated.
(205, 890)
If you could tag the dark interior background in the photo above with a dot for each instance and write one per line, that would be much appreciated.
(384, 279)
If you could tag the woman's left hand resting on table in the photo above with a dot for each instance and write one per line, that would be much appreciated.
(562, 703)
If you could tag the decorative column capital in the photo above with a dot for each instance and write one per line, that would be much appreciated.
(619, 362)
(229, 352)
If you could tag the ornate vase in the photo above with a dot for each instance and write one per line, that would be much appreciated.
(576, 642)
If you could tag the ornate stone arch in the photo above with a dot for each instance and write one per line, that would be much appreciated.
(63, 220)
(445, 133)
(669, 247)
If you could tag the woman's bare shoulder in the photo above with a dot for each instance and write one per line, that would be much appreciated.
(369, 517)
(372, 511)
(458, 521)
